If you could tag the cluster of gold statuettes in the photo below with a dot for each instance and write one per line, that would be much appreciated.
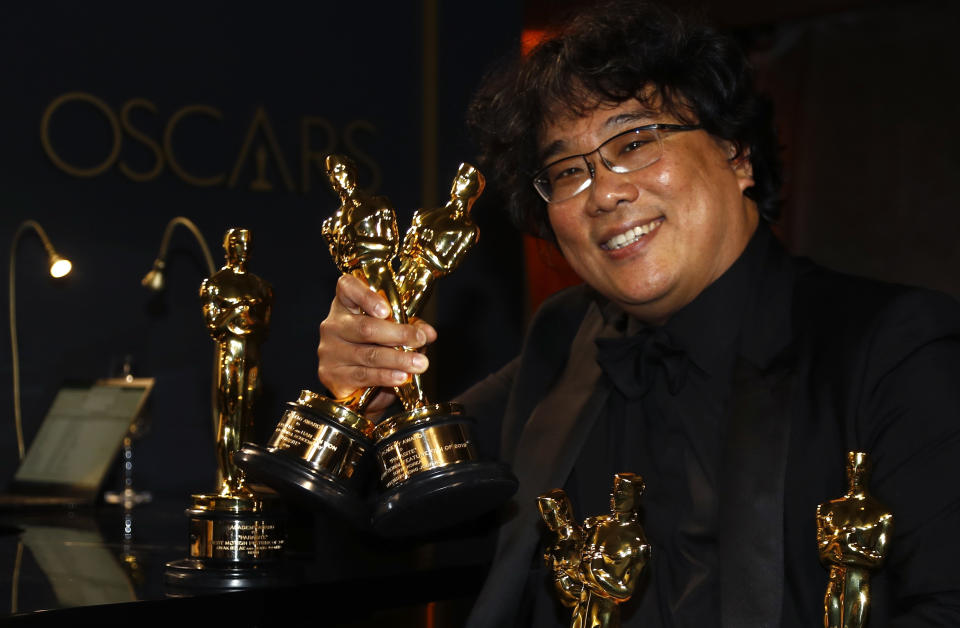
(596, 566)
(363, 239)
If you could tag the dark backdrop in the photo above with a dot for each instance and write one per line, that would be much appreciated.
(222, 115)
(865, 95)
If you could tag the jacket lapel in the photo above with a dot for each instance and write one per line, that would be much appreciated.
(754, 459)
(753, 469)
(544, 455)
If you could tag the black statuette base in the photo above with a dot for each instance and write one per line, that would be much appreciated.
(443, 497)
(300, 482)
(431, 472)
(319, 455)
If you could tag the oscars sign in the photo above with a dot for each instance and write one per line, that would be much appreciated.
(430, 474)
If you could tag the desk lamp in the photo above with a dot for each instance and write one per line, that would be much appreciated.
(59, 267)
(154, 279)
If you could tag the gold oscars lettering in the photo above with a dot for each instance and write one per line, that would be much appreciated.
(236, 533)
(261, 163)
(430, 472)
(853, 536)
(595, 567)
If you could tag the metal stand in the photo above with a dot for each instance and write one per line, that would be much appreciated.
(127, 496)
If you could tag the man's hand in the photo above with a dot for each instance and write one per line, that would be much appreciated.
(357, 341)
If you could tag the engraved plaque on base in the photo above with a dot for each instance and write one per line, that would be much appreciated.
(318, 454)
(234, 543)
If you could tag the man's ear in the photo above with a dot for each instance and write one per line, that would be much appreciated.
(742, 166)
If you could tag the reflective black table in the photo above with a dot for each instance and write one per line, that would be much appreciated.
(104, 565)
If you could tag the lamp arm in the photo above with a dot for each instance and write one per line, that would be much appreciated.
(162, 256)
(27, 224)
(14, 348)
(186, 222)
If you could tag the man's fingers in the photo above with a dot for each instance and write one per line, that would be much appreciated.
(359, 342)
(383, 400)
(352, 378)
(430, 333)
(347, 366)
(366, 330)
(357, 297)
(384, 358)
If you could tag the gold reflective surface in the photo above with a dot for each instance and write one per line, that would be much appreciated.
(328, 438)
(363, 239)
(596, 566)
(340, 413)
(254, 533)
(562, 554)
(417, 416)
(218, 503)
(431, 447)
(853, 536)
(236, 533)
(437, 239)
(236, 310)
(235, 523)
(318, 443)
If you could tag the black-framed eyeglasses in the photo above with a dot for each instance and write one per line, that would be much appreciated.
(624, 152)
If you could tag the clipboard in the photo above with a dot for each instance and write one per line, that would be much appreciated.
(78, 440)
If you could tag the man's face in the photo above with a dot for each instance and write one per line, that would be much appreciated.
(689, 206)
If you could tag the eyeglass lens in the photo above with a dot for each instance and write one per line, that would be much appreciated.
(626, 152)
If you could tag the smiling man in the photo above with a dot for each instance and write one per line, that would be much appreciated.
(650, 212)
(733, 377)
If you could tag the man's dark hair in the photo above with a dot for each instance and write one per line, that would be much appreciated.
(605, 55)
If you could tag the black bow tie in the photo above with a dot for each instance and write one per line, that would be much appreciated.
(632, 363)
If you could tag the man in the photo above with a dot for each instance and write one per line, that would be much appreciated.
(698, 354)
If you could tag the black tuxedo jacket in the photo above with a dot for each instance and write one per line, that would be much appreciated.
(832, 363)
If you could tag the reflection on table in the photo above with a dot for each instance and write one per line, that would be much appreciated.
(105, 564)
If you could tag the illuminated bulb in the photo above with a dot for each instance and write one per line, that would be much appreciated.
(154, 279)
(59, 266)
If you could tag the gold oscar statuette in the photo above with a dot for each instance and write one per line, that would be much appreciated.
(429, 469)
(596, 566)
(237, 533)
(853, 537)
